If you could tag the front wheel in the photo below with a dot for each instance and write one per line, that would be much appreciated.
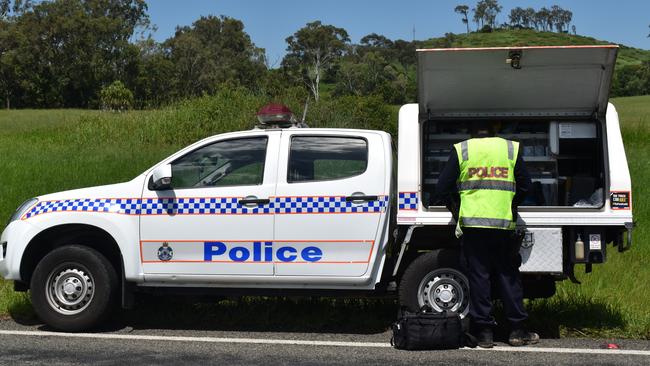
(73, 288)
(434, 279)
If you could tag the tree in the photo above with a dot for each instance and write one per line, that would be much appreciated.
(8, 39)
(116, 97)
(567, 17)
(5, 77)
(463, 10)
(362, 76)
(372, 74)
(62, 52)
(4, 41)
(376, 41)
(5, 5)
(312, 51)
(213, 52)
(537, 21)
(558, 18)
(516, 16)
(479, 14)
(404, 51)
(527, 17)
(542, 18)
(631, 80)
(486, 12)
(493, 10)
(18, 7)
(155, 81)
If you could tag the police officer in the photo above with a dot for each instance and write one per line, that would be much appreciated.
(482, 183)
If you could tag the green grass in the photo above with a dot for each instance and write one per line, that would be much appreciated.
(512, 38)
(614, 299)
(54, 150)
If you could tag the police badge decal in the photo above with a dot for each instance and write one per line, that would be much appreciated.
(165, 252)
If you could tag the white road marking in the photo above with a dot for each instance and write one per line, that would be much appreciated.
(194, 339)
(298, 342)
(568, 350)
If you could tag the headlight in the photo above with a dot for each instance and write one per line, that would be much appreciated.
(20, 211)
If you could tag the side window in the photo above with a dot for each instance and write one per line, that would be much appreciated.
(320, 158)
(234, 162)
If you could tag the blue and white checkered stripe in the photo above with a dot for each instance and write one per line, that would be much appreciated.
(407, 201)
(119, 205)
(209, 206)
(199, 206)
(334, 204)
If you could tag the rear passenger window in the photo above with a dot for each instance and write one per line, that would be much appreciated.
(319, 158)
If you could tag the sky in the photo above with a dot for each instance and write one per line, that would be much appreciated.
(270, 22)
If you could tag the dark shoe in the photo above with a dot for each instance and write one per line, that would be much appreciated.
(484, 338)
(520, 337)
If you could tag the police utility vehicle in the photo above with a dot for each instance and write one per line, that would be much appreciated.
(282, 209)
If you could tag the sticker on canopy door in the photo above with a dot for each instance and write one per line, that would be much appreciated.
(620, 200)
(251, 252)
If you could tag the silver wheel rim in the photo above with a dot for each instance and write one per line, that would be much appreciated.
(445, 289)
(70, 289)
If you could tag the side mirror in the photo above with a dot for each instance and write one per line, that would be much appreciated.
(161, 179)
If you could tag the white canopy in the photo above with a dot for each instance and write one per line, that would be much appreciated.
(515, 81)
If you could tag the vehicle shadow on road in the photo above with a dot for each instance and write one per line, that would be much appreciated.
(262, 314)
(551, 318)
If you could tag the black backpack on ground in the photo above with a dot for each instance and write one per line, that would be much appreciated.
(426, 330)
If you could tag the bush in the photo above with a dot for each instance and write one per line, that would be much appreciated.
(228, 110)
(116, 97)
(486, 29)
(364, 112)
(631, 80)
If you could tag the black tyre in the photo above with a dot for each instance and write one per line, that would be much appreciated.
(73, 288)
(434, 279)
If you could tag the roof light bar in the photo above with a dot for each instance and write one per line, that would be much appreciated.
(277, 116)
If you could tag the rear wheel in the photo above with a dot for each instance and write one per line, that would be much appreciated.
(434, 279)
(73, 288)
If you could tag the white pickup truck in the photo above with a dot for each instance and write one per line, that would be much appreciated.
(282, 209)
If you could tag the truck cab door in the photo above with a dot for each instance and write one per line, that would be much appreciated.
(217, 216)
(331, 203)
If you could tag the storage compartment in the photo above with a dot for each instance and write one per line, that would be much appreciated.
(541, 251)
(564, 158)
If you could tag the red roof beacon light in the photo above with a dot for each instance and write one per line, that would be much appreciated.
(277, 116)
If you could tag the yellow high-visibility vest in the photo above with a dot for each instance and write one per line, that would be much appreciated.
(486, 183)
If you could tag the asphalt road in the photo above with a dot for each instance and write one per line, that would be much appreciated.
(34, 344)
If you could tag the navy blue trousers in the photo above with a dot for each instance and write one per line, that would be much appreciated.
(488, 260)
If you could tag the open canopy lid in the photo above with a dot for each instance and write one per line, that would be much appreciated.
(515, 81)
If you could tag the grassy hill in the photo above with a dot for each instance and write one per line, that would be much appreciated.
(527, 37)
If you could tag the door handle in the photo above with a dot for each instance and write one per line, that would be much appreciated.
(254, 201)
(361, 198)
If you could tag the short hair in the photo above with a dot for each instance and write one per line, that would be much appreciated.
(485, 128)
